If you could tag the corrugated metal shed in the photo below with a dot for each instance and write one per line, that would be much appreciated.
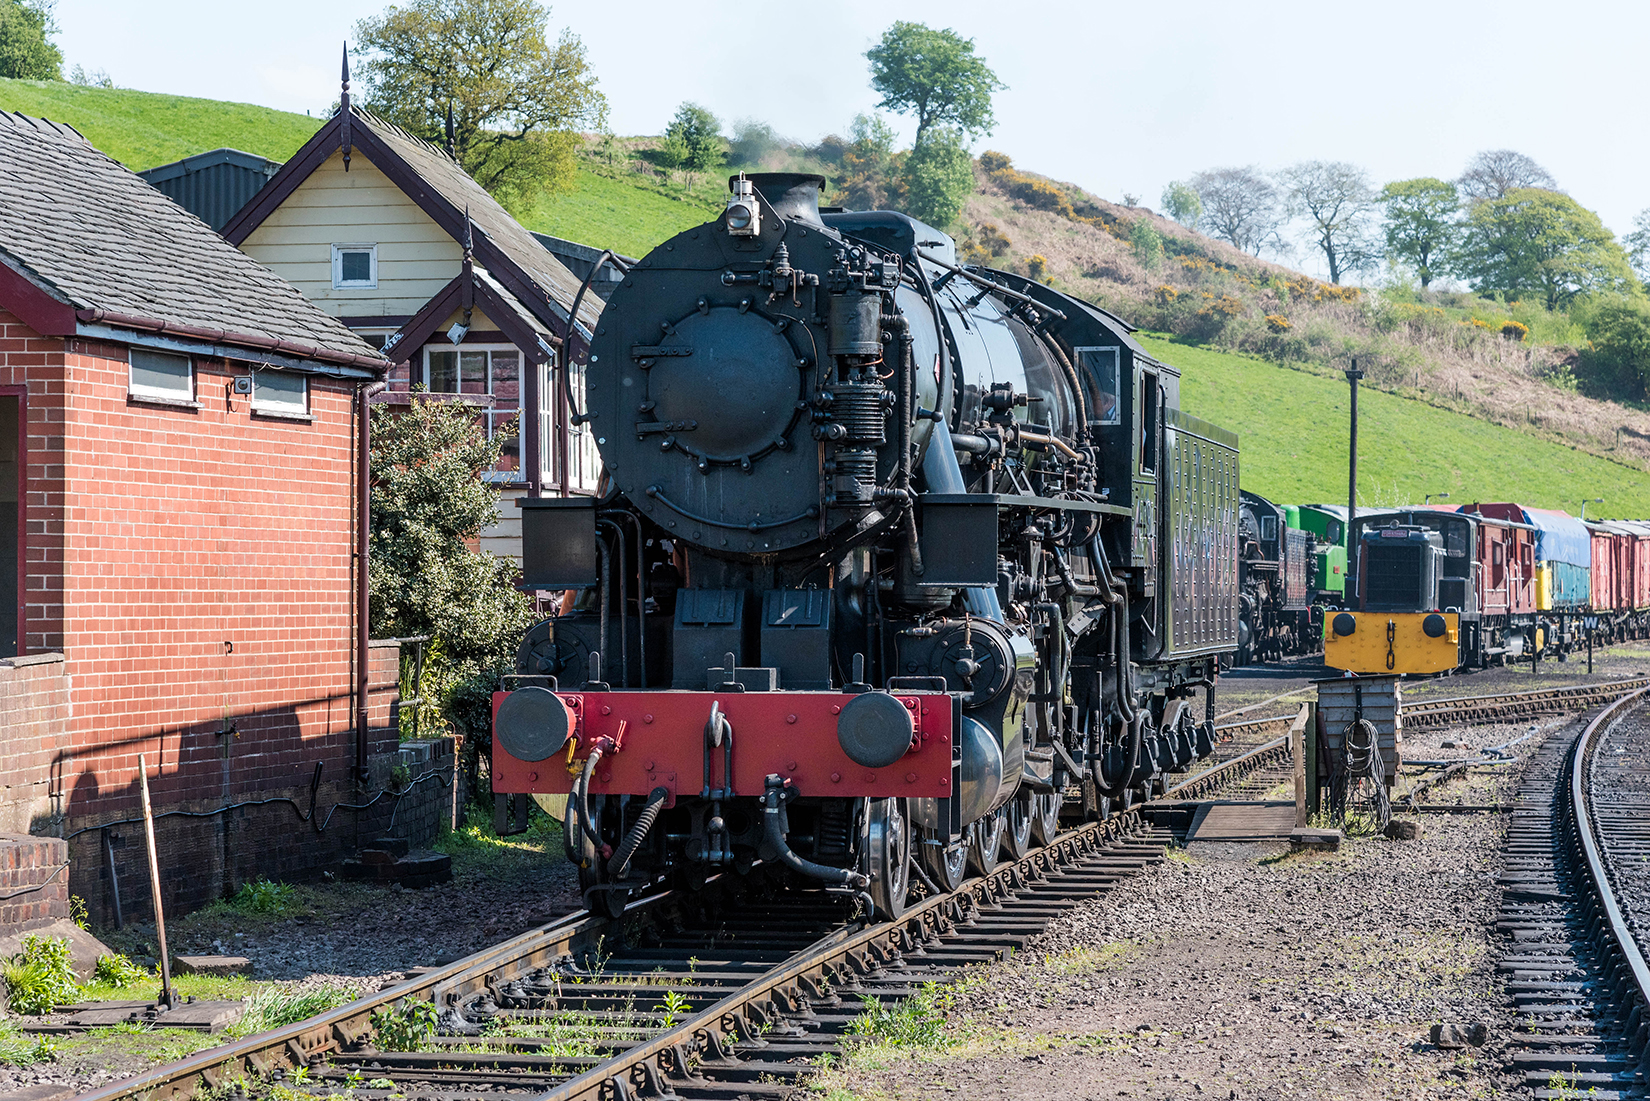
(213, 186)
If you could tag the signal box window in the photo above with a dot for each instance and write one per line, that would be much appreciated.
(494, 372)
(1098, 367)
(160, 375)
(354, 267)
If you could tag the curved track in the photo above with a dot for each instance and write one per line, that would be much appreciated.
(1575, 968)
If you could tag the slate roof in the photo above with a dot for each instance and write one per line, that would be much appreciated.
(91, 234)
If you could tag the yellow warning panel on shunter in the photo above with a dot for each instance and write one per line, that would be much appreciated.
(1392, 642)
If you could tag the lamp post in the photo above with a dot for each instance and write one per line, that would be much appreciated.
(1427, 500)
(1352, 377)
(1585, 501)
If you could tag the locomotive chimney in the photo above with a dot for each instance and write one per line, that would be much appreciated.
(791, 194)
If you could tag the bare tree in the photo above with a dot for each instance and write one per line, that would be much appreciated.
(1241, 206)
(1337, 199)
(1494, 172)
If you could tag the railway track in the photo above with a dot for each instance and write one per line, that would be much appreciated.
(1574, 876)
(731, 992)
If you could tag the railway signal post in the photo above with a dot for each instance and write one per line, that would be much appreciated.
(1352, 377)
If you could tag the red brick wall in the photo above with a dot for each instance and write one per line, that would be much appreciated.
(34, 733)
(34, 887)
(195, 568)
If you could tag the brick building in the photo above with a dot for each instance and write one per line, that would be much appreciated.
(180, 511)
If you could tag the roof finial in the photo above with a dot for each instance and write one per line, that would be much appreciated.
(469, 236)
(343, 110)
(452, 145)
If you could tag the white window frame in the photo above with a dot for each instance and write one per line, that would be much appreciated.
(421, 377)
(339, 283)
(155, 393)
(281, 409)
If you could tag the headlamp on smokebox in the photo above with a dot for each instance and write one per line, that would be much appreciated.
(744, 217)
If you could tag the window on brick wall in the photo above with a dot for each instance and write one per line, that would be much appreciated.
(161, 375)
(280, 392)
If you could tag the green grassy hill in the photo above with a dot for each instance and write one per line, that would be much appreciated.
(1293, 431)
(143, 129)
(612, 212)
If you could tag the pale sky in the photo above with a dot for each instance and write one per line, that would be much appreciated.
(1118, 98)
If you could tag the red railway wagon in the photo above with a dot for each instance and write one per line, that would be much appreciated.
(1621, 577)
(1506, 558)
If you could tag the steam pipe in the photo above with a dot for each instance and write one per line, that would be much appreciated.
(773, 816)
(624, 603)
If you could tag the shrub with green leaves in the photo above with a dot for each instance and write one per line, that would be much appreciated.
(41, 976)
(264, 897)
(119, 970)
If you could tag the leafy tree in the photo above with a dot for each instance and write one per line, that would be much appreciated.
(1617, 365)
(1337, 199)
(938, 176)
(935, 76)
(1494, 172)
(26, 50)
(1540, 242)
(1421, 224)
(517, 99)
(1638, 245)
(1240, 206)
(428, 504)
(1181, 203)
(1147, 243)
(870, 177)
(693, 140)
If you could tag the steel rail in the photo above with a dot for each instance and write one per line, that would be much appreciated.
(1614, 920)
(1420, 714)
(648, 1069)
(264, 1052)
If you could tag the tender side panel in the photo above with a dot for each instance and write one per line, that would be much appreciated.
(1200, 536)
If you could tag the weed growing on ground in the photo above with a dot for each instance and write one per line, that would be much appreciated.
(1087, 959)
(263, 897)
(118, 970)
(18, 1049)
(917, 1022)
(41, 976)
(274, 1007)
(672, 1009)
(403, 1027)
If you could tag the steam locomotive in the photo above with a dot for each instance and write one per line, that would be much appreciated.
(894, 555)
(1291, 572)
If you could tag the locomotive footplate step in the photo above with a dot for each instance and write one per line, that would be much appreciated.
(1256, 821)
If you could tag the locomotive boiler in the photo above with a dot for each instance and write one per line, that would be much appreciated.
(897, 562)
